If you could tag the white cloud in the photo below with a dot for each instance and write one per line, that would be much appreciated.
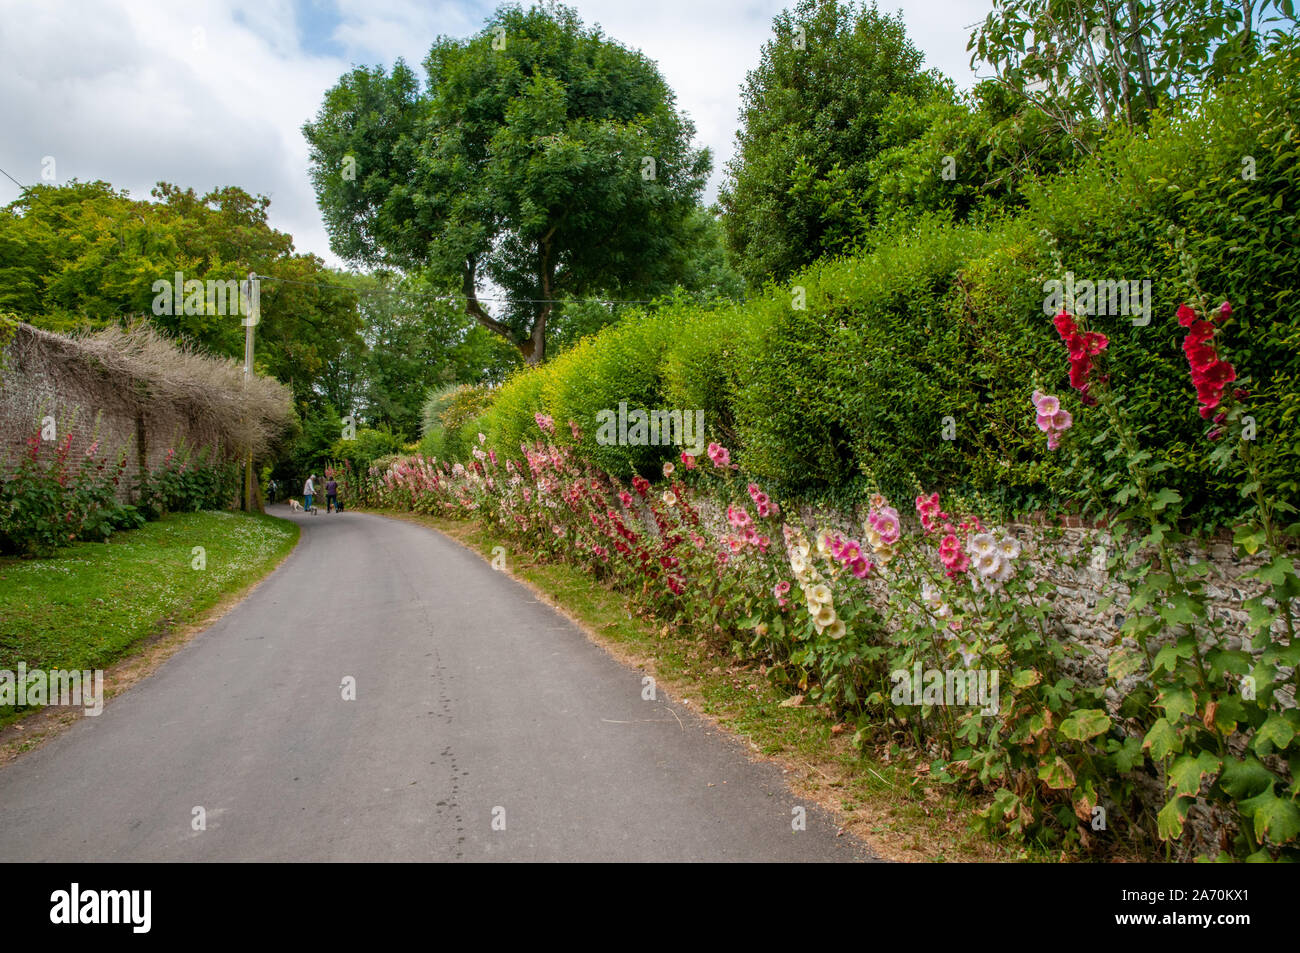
(214, 93)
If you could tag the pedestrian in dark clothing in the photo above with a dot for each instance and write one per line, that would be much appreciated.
(331, 495)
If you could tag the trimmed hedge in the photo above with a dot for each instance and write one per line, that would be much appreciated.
(939, 321)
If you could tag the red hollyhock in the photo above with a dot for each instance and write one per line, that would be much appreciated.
(1082, 348)
(1210, 374)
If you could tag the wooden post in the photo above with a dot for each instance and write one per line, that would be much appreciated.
(250, 320)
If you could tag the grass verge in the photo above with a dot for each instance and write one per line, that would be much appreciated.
(93, 604)
(887, 804)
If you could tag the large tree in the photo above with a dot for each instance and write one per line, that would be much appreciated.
(541, 160)
(810, 115)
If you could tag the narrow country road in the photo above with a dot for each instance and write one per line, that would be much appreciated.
(474, 702)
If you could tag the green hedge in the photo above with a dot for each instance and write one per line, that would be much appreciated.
(937, 320)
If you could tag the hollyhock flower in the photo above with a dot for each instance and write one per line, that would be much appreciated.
(641, 485)
(981, 544)
(1009, 547)
(625, 497)
(737, 517)
(1210, 375)
(860, 568)
(753, 491)
(885, 521)
(764, 510)
(825, 615)
(928, 509)
(688, 461)
(1050, 417)
(987, 564)
(720, 455)
(1046, 404)
(545, 423)
(670, 497)
(735, 543)
(668, 469)
(820, 593)
(1225, 311)
(837, 629)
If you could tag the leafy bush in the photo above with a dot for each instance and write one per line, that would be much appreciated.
(908, 364)
(46, 502)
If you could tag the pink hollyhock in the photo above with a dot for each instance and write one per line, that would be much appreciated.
(885, 522)
(688, 461)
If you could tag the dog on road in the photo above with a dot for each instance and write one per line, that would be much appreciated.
(295, 506)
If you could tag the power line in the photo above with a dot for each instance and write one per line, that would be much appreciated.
(14, 181)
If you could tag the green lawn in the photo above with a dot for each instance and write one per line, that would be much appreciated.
(87, 606)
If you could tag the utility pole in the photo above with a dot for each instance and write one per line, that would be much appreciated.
(252, 313)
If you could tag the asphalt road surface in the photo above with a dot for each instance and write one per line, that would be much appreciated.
(476, 708)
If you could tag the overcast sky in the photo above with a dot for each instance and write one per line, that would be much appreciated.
(208, 93)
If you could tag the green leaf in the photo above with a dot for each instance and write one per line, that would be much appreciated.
(1169, 822)
(1167, 658)
(1162, 740)
(1276, 732)
(1085, 723)
(1186, 772)
(1177, 702)
(1276, 817)
(1164, 498)
(1244, 779)
(1128, 755)
(1026, 677)
(1123, 663)
(1276, 571)
(1249, 538)
(1057, 774)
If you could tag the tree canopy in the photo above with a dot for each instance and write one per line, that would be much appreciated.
(542, 160)
(86, 255)
(811, 115)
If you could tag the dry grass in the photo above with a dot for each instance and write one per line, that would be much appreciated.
(140, 366)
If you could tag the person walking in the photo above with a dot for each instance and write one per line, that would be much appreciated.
(331, 495)
(308, 491)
